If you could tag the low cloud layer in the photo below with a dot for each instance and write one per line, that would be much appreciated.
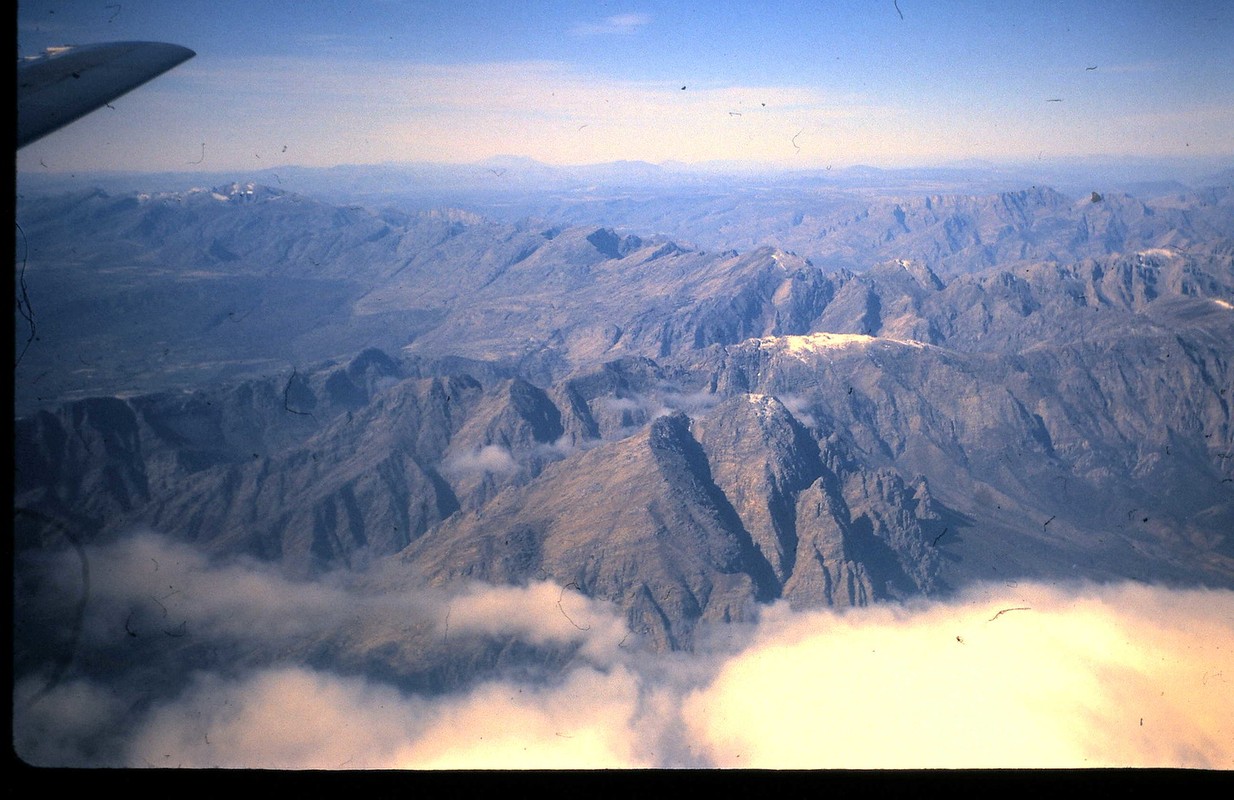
(491, 458)
(1008, 675)
(1033, 676)
(641, 408)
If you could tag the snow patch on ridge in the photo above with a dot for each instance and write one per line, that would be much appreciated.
(814, 343)
(764, 404)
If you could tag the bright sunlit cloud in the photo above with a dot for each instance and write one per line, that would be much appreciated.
(1007, 675)
(1036, 677)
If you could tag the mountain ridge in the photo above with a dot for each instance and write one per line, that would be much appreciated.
(686, 433)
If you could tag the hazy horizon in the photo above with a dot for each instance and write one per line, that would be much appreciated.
(793, 86)
(1102, 160)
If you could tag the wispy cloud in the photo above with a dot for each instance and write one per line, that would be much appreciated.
(546, 110)
(490, 458)
(616, 24)
(340, 110)
(799, 407)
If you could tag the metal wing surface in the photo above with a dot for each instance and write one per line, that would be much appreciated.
(66, 83)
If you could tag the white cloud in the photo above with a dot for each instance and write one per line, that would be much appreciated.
(1118, 676)
(303, 719)
(351, 111)
(591, 719)
(564, 446)
(491, 458)
(616, 24)
(1023, 675)
(617, 405)
(539, 613)
(690, 402)
(658, 404)
(1069, 682)
(145, 585)
(280, 718)
(799, 407)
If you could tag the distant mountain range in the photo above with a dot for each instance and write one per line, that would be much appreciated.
(961, 387)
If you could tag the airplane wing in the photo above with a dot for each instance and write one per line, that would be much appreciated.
(66, 83)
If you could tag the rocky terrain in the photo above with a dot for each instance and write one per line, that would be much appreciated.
(1014, 386)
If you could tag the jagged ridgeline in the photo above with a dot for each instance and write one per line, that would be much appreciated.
(942, 390)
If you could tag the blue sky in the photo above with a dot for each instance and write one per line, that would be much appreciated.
(791, 84)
